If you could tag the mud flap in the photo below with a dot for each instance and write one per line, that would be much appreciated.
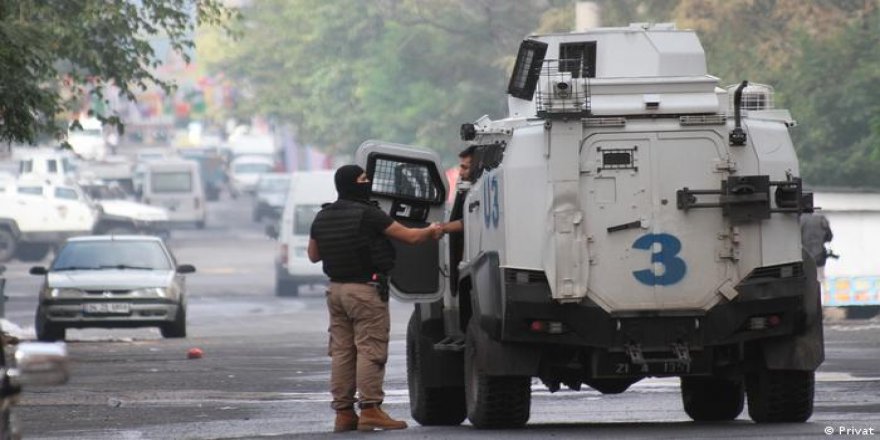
(805, 351)
(496, 358)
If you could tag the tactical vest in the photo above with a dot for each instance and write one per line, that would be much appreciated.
(349, 253)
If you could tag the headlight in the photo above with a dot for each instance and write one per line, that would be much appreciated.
(63, 293)
(151, 292)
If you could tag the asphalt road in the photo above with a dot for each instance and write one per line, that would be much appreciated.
(264, 372)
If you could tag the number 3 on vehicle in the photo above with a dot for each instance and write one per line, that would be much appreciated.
(674, 267)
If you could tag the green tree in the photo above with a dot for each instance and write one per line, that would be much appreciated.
(409, 71)
(56, 53)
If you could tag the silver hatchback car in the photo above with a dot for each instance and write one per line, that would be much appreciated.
(112, 281)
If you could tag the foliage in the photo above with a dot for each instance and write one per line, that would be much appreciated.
(56, 53)
(411, 71)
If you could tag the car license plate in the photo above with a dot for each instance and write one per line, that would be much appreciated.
(108, 308)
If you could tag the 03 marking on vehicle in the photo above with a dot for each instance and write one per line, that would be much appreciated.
(674, 268)
(492, 213)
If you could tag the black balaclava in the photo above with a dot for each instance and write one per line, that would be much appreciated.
(347, 185)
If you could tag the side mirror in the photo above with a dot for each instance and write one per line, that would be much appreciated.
(272, 231)
(186, 268)
(38, 270)
(40, 363)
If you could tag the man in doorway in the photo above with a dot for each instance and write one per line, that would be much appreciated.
(455, 226)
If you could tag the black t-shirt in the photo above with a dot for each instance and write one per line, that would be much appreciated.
(375, 222)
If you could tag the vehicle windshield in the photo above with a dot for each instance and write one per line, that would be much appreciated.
(254, 168)
(102, 255)
(303, 218)
(275, 185)
(171, 182)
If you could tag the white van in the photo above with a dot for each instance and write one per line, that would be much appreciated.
(176, 186)
(308, 191)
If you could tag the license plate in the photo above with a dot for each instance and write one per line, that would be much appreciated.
(618, 365)
(108, 308)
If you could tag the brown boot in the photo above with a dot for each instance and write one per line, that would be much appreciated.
(346, 420)
(372, 417)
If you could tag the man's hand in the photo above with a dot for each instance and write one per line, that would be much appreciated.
(437, 231)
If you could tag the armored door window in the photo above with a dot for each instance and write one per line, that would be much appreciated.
(413, 181)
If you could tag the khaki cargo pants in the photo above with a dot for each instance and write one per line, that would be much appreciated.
(359, 327)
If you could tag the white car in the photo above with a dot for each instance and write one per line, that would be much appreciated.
(245, 172)
(112, 281)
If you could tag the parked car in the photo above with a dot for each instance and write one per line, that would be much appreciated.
(308, 191)
(245, 171)
(270, 196)
(112, 281)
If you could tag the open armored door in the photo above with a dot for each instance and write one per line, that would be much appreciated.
(407, 183)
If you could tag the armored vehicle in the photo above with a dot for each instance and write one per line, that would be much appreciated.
(628, 219)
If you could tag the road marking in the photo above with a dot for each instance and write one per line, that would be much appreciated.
(852, 328)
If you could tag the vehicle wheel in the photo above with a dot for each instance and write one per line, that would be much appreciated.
(8, 244)
(286, 288)
(176, 328)
(711, 399)
(434, 405)
(32, 251)
(862, 312)
(46, 331)
(780, 396)
(493, 401)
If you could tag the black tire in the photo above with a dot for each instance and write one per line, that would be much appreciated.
(429, 406)
(32, 251)
(710, 399)
(176, 328)
(780, 396)
(493, 402)
(286, 287)
(46, 331)
(8, 245)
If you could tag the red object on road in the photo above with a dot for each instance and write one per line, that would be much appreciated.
(194, 353)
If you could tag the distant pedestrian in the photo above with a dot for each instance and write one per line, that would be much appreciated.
(815, 232)
(351, 236)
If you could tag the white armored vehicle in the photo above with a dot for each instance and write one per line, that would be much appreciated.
(629, 219)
